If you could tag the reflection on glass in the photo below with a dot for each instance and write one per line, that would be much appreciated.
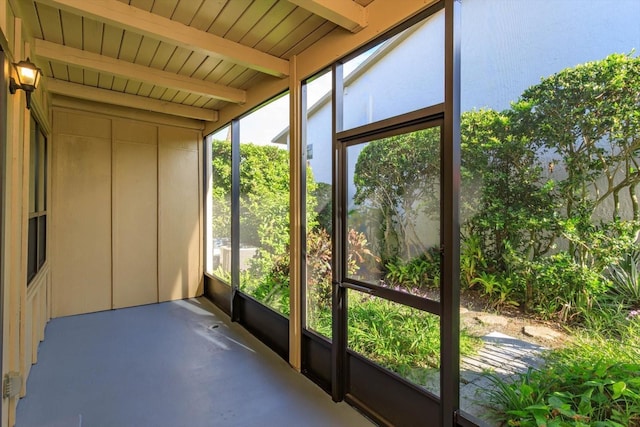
(219, 250)
(319, 214)
(394, 209)
(264, 205)
(402, 74)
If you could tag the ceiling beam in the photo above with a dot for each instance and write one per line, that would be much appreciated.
(136, 20)
(106, 96)
(345, 13)
(105, 64)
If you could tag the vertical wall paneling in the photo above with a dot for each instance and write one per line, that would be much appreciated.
(179, 235)
(135, 213)
(82, 224)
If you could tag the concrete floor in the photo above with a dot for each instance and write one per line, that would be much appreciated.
(172, 364)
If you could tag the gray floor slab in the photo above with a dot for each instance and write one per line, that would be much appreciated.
(172, 364)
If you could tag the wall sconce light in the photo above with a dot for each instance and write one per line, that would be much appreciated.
(28, 79)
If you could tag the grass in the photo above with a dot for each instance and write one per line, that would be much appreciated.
(402, 339)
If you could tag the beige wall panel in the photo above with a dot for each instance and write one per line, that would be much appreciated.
(135, 131)
(135, 214)
(178, 213)
(81, 124)
(81, 281)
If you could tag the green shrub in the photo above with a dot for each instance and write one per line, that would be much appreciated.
(420, 273)
(559, 286)
(593, 382)
(625, 278)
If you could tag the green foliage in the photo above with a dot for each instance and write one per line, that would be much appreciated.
(472, 260)
(400, 338)
(500, 290)
(625, 278)
(586, 120)
(557, 285)
(518, 208)
(415, 275)
(398, 179)
(594, 382)
(322, 195)
(503, 200)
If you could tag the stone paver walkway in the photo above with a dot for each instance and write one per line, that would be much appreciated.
(502, 355)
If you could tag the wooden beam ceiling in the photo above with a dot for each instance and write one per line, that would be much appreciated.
(128, 70)
(75, 90)
(345, 13)
(160, 28)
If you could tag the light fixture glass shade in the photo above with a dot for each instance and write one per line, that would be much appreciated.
(28, 74)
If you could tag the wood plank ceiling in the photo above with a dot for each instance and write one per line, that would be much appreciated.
(183, 57)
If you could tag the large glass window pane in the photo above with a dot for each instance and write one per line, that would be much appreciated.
(393, 199)
(219, 211)
(34, 156)
(549, 250)
(32, 255)
(319, 214)
(42, 240)
(42, 173)
(264, 205)
(402, 74)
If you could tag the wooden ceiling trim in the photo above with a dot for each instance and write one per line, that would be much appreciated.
(347, 14)
(309, 40)
(173, 32)
(59, 71)
(49, 19)
(75, 75)
(192, 64)
(105, 81)
(130, 46)
(206, 68)
(127, 100)
(119, 84)
(132, 88)
(90, 78)
(249, 19)
(92, 31)
(177, 60)
(145, 89)
(283, 29)
(298, 34)
(228, 17)
(157, 92)
(146, 52)
(180, 97)
(169, 95)
(71, 29)
(140, 4)
(111, 41)
(162, 7)
(275, 16)
(207, 14)
(185, 11)
(104, 64)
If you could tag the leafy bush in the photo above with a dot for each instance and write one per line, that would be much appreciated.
(594, 382)
(501, 290)
(555, 286)
(420, 273)
(625, 278)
